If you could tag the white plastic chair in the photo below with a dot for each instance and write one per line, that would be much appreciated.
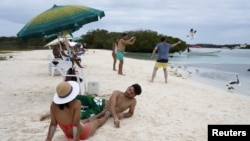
(52, 65)
(63, 67)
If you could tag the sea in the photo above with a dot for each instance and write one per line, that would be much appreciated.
(216, 70)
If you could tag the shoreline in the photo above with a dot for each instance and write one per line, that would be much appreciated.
(218, 75)
(176, 111)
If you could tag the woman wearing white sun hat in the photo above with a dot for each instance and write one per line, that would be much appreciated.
(65, 111)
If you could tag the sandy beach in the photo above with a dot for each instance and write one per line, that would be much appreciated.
(177, 111)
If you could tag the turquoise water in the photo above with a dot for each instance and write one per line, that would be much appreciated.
(216, 70)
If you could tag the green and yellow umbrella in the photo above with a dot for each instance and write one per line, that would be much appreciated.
(59, 19)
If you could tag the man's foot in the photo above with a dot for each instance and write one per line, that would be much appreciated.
(121, 74)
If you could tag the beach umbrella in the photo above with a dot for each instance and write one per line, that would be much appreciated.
(58, 19)
(50, 37)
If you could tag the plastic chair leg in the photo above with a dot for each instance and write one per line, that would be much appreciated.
(53, 71)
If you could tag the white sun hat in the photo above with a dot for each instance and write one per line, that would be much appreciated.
(66, 91)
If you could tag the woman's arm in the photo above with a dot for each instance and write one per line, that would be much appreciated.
(52, 126)
(76, 120)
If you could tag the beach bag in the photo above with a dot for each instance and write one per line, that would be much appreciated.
(72, 71)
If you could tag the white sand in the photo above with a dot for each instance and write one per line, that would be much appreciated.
(178, 111)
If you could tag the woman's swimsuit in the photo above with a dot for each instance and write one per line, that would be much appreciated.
(84, 134)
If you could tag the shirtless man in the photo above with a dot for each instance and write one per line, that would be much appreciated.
(122, 43)
(117, 104)
(121, 101)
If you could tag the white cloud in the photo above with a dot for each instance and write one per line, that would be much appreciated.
(224, 21)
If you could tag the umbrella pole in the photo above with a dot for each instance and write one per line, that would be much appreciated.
(69, 50)
(60, 47)
(71, 54)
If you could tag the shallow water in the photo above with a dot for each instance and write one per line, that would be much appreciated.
(213, 70)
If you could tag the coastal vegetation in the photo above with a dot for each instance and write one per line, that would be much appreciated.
(103, 39)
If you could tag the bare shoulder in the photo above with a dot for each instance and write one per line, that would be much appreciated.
(123, 41)
(76, 103)
(52, 105)
(117, 93)
(133, 100)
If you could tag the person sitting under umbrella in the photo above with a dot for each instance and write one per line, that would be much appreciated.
(70, 55)
(60, 52)
(78, 49)
(75, 58)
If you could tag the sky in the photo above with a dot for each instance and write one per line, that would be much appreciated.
(216, 21)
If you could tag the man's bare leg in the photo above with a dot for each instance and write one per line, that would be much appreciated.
(95, 124)
(45, 116)
(114, 63)
(154, 74)
(78, 63)
(120, 67)
(100, 115)
(165, 74)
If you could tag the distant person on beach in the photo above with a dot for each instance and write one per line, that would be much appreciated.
(122, 43)
(114, 51)
(56, 52)
(65, 112)
(162, 59)
(64, 52)
(117, 104)
(77, 60)
(60, 51)
(70, 54)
